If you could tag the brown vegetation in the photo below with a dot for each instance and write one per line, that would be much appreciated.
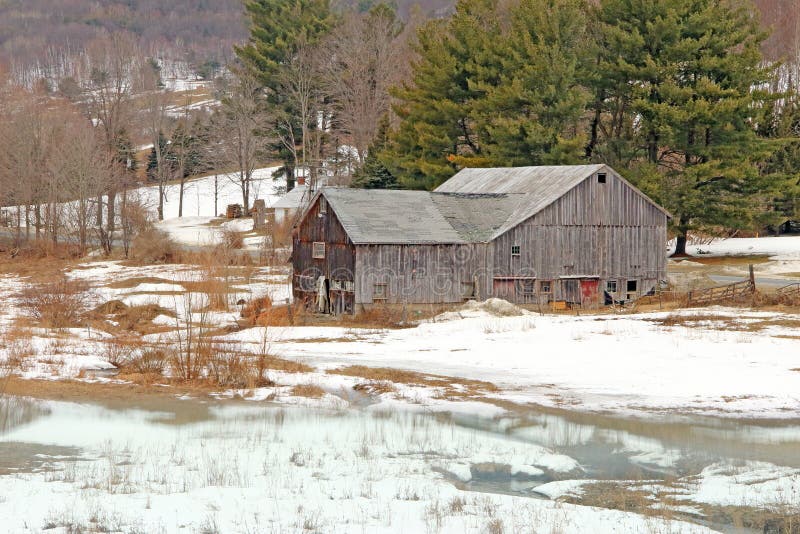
(382, 380)
(312, 391)
(57, 304)
(155, 246)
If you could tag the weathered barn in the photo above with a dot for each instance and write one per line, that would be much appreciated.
(574, 234)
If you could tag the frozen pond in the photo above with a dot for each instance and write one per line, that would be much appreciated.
(191, 466)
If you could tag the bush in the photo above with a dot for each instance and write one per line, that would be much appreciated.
(155, 246)
(232, 239)
(150, 361)
(57, 304)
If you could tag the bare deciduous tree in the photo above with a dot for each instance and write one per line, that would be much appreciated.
(362, 61)
(240, 128)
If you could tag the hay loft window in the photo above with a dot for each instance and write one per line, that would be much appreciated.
(601, 177)
(545, 287)
(515, 250)
(323, 206)
(380, 292)
(611, 286)
(318, 250)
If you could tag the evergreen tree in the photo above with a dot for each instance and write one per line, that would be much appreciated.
(279, 29)
(496, 85)
(167, 156)
(435, 106)
(374, 174)
(677, 97)
(784, 164)
(534, 98)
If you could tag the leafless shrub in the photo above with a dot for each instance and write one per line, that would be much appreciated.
(155, 246)
(228, 367)
(121, 352)
(151, 361)
(232, 239)
(57, 304)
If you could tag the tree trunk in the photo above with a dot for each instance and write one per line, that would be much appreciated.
(680, 246)
(160, 200)
(112, 219)
(37, 213)
(180, 199)
(216, 195)
(100, 211)
(680, 238)
(289, 177)
(593, 131)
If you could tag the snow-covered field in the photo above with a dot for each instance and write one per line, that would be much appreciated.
(194, 227)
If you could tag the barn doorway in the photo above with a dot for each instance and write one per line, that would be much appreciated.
(590, 292)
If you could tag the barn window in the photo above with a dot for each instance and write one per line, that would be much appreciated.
(515, 250)
(318, 250)
(527, 287)
(601, 177)
(611, 286)
(633, 286)
(323, 206)
(380, 292)
(545, 287)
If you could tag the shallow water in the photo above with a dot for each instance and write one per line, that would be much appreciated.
(607, 448)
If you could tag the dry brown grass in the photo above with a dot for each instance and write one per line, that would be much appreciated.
(232, 239)
(719, 321)
(312, 391)
(155, 246)
(375, 388)
(129, 283)
(382, 380)
(137, 319)
(57, 304)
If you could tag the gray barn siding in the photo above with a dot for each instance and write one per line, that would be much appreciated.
(421, 274)
(604, 230)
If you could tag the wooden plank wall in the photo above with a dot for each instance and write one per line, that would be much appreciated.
(339, 261)
(605, 230)
(423, 274)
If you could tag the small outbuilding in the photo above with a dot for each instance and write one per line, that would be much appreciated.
(577, 235)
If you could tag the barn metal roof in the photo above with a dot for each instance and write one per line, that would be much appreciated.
(474, 206)
(373, 216)
(293, 199)
(541, 186)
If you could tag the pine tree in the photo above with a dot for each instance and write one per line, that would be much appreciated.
(534, 98)
(435, 107)
(167, 157)
(279, 29)
(374, 174)
(496, 85)
(678, 93)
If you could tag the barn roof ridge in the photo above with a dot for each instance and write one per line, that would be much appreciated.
(474, 206)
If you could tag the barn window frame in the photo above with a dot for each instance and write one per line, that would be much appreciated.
(526, 287)
(546, 287)
(516, 251)
(611, 286)
(380, 291)
(601, 177)
(632, 285)
(323, 206)
(318, 250)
